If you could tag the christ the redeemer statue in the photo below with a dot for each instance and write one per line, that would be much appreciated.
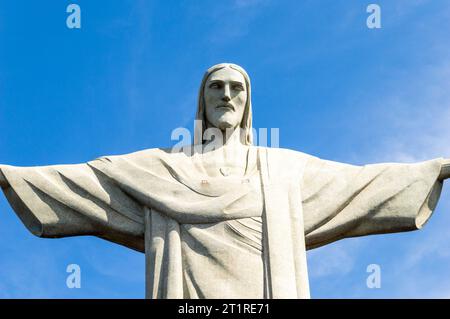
(223, 218)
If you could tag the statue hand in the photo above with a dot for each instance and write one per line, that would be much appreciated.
(445, 170)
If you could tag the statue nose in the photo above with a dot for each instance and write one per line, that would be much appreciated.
(226, 94)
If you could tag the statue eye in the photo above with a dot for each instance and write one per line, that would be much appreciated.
(238, 87)
(215, 85)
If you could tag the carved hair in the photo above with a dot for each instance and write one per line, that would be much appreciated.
(200, 118)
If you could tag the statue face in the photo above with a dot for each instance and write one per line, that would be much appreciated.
(225, 98)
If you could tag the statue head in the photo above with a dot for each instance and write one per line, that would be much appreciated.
(224, 102)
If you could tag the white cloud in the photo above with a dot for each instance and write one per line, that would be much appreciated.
(414, 107)
(418, 112)
(337, 258)
(419, 115)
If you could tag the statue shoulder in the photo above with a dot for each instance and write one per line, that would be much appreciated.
(145, 155)
(289, 154)
(288, 159)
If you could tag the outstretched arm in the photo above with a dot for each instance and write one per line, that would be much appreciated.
(341, 201)
(445, 169)
(73, 200)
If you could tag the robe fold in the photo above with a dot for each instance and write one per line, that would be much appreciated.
(228, 237)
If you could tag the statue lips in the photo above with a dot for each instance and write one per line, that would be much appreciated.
(226, 106)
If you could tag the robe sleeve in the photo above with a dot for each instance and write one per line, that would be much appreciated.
(341, 200)
(71, 200)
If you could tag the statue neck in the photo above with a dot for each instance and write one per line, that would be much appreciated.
(226, 139)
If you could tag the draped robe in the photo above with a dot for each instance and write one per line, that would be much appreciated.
(227, 237)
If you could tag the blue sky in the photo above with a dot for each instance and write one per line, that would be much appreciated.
(130, 75)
